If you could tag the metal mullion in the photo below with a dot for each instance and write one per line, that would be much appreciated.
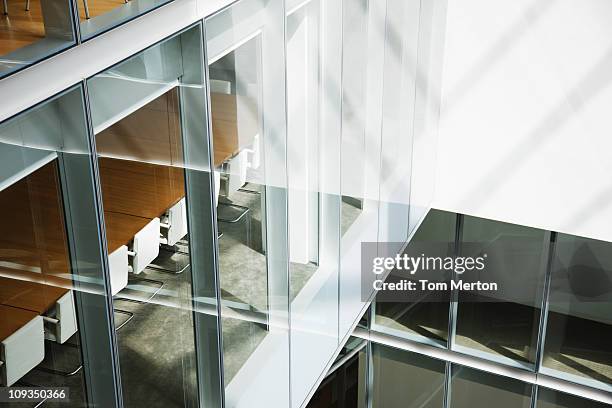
(448, 374)
(464, 360)
(104, 247)
(545, 303)
(211, 388)
(534, 396)
(369, 380)
(454, 301)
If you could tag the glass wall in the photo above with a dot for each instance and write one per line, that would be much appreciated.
(547, 316)
(149, 118)
(55, 330)
(362, 79)
(98, 16)
(245, 53)
(404, 379)
(399, 87)
(382, 376)
(579, 322)
(548, 398)
(425, 319)
(502, 325)
(344, 386)
(470, 388)
(313, 156)
(31, 30)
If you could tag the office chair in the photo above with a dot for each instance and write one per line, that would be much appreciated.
(5, 6)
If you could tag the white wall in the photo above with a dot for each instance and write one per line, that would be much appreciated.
(526, 121)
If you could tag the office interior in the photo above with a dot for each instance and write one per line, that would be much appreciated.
(177, 224)
(32, 30)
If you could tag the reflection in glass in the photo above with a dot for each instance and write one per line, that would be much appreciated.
(235, 93)
(313, 45)
(141, 146)
(345, 384)
(97, 16)
(427, 318)
(247, 102)
(32, 30)
(504, 325)
(404, 379)
(353, 112)
(475, 389)
(579, 324)
(51, 284)
(554, 399)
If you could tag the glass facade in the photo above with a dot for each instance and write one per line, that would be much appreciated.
(344, 386)
(426, 319)
(97, 16)
(473, 388)
(391, 369)
(55, 325)
(548, 319)
(141, 155)
(184, 226)
(548, 398)
(33, 30)
(506, 326)
(578, 322)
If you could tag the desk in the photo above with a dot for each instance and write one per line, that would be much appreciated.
(13, 319)
(134, 190)
(34, 297)
(140, 189)
(121, 228)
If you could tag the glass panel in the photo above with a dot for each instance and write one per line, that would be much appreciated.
(97, 16)
(362, 72)
(554, 399)
(502, 325)
(353, 111)
(427, 319)
(313, 146)
(54, 327)
(474, 389)
(345, 386)
(32, 30)
(144, 111)
(406, 380)
(579, 325)
(245, 48)
(398, 107)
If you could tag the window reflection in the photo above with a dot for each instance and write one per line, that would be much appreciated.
(405, 379)
(345, 385)
(504, 325)
(49, 287)
(96, 16)
(31, 30)
(548, 398)
(247, 102)
(579, 325)
(474, 389)
(235, 94)
(427, 318)
(137, 108)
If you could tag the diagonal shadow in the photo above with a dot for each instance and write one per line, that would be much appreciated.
(592, 84)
